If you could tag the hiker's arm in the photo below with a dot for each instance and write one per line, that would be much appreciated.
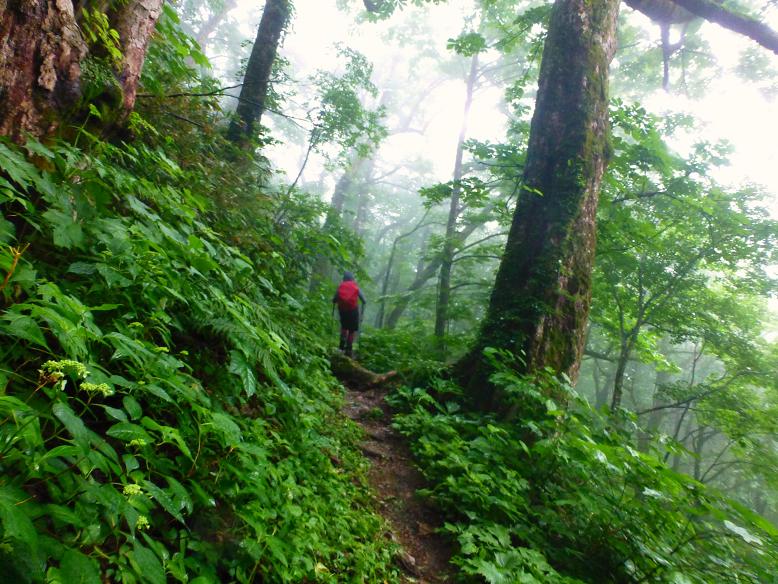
(335, 297)
(362, 298)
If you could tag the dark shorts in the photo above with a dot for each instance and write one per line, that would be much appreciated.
(349, 319)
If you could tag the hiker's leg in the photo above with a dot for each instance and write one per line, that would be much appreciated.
(350, 343)
(343, 339)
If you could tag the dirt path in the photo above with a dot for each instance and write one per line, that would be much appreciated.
(395, 481)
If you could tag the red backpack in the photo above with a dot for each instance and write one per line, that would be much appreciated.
(348, 295)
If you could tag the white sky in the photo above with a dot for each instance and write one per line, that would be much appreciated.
(731, 110)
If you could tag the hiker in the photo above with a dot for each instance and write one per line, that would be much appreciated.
(347, 298)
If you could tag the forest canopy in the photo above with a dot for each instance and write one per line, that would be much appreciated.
(561, 216)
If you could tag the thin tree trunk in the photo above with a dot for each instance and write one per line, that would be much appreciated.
(388, 272)
(379, 319)
(540, 302)
(444, 278)
(625, 352)
(699, 447)
(322, 270)
(363, 194)
(657, 415)
(602, 396)
(422, 277)
(253, 94)
(210, 25)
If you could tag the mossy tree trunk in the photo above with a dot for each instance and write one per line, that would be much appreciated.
(540, 302)
(43, 54)
(253, 93)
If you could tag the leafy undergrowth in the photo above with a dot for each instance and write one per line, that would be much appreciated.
(164, 415)
(408, 351)
(560, 494)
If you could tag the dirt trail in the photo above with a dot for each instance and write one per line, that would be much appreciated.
(395, 481)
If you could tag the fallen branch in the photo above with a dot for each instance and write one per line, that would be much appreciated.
(356, 377)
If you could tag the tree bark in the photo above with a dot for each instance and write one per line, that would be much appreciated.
(421, 278)
(251, 103)
(42, 52)
(680, 11)
(135, 22)
(540, 302)
(447, 261)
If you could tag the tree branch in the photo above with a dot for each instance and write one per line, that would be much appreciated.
(469, 245)
(598, 355)
(477, 256)
(739, 23)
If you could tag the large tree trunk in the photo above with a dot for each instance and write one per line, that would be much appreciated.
(41, 55)
(251, 103)
(540, 302)
(41, 50)
(447, 261)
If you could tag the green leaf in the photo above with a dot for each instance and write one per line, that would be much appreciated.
(76, 568)
(23, 327)
(74, 425)
(66, 450)
(132, 406)
(227, 428)
(243, 369)
(127, 432)
(7, 231)
(115, 413)
(164, 500)
(82, 268)
(147, 565)
(67, 233)
(15, 523)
